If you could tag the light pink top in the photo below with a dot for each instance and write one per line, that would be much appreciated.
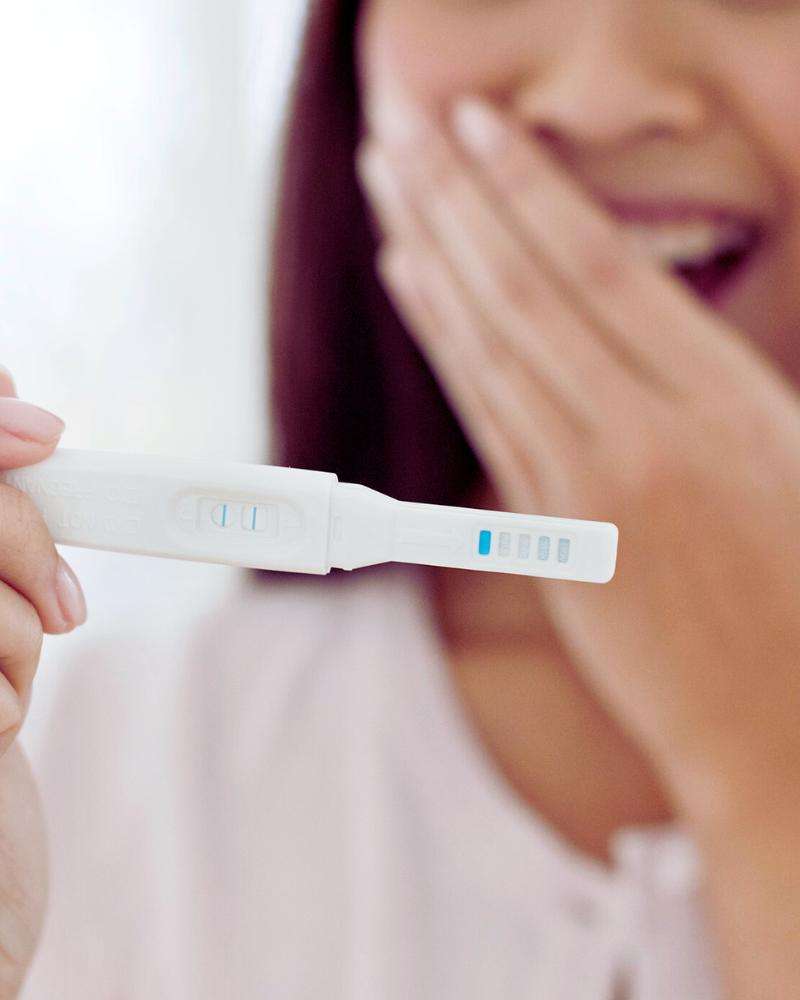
(299, 810)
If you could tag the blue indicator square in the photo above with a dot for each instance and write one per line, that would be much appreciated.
(484, 543)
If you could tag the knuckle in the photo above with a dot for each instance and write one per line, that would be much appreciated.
(656, 466)
(21, 524)
(29, 632)
(23, 632)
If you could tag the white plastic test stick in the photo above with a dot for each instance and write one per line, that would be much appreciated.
(294, 520)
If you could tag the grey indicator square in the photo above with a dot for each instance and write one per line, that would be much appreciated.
(563, 550)
(543, 551)
(524, 547)
(504, 543)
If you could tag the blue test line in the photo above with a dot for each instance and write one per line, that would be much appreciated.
(224, 514)
(484, 543)
(253, 523)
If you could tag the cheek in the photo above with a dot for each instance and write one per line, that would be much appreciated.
(756, 75)
(767, 90)
(435, 49)
(756, 67)
(773, 98)
(770, 93)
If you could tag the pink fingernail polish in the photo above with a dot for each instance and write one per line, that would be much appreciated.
(397, 120)
(29, 422)
(9, 378)
(478, 126)
(70, 595)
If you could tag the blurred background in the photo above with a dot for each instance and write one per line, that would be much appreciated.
(137, 175)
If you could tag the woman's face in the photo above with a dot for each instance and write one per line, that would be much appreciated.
(681, 115)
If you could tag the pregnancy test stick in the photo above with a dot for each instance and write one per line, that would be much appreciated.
(295, 520)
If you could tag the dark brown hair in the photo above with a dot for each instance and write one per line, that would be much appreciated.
(350, 391)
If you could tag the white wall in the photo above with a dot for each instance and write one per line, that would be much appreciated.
(136, 168)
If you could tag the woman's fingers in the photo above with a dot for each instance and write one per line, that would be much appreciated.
(28, 434)
(38, 591)
(29, 562)
(650, 315)
(482, 319)
(20, 649)
(505, 402)
(427, 314)
(529, 314)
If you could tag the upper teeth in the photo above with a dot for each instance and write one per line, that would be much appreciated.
(673, 243)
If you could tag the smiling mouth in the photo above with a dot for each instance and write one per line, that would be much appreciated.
(711, 277)
(708, 256)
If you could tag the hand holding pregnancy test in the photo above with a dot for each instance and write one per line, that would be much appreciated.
(589, 378)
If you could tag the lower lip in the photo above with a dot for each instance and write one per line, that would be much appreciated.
(716, 285)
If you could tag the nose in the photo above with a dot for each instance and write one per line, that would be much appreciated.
(604, 90)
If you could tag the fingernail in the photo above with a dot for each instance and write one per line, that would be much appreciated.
(392, 264)
(397, 120)
(70, 595)
(478, 126)
(376, 171)
(8, 378)
(29, 422)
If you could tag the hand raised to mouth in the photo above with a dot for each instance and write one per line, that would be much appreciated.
(590, 381)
